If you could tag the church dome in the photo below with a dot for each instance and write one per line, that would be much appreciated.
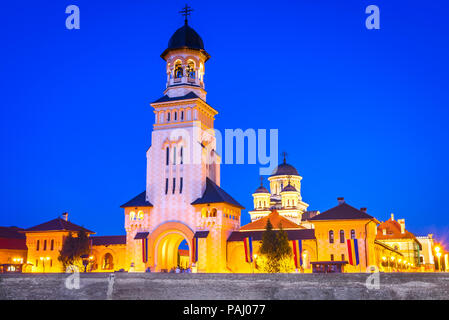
(185, 37)
(290, 188)
(261, 189)
(285, 169)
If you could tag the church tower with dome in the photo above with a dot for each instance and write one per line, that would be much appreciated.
(284, 195)
(183, 202)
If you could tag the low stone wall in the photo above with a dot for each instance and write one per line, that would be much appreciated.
(226, 286)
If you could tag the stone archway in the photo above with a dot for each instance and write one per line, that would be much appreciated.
(165, 243)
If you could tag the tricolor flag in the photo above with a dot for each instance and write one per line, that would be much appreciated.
(194, 250)
(353, 251)
(248, 244)
(297, 252)
(145, 250)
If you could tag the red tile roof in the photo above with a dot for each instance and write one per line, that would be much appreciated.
(393, 231)
(275, 220)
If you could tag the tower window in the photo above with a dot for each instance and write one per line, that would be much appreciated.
(174, 185)
(182, 115)
(180, 185)
(166, 185)
(168, 116)
(167, 156)
(191, 70)
(176, 116)
(178, 70)
(181, 155)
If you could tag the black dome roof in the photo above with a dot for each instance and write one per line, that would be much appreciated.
(285, 169)
(185, 37)
(261, 189)
(289, 187)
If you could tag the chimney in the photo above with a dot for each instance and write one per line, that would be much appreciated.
(341, 200)
(363, 209)
(402, 223)
(65, 216)
(392, 217)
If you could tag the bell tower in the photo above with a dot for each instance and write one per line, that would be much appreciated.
(185, 58)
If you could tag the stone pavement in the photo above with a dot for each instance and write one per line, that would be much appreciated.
(224, 286)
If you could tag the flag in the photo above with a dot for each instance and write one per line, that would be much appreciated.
(297, 252)
(195, 250)
(144, 250)
(248, 244)
(353, 252)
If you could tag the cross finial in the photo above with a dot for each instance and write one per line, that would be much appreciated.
(186, 12)
(261, 181)
(289, 177)
(284, 154)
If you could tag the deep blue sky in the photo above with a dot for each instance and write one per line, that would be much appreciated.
(362, 113)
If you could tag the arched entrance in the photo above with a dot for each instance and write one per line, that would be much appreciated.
(167, 239)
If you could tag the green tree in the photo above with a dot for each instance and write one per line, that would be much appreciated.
(275, 252)
(72, 250)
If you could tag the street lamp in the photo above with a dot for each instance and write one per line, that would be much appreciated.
(86, 259)
(437, 250)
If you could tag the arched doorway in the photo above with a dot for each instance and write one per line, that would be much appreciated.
(167, 250)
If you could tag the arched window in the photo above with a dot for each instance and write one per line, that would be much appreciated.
(331, 236)
(190, 69)
(37, 245)
(45, 245)
(132, 216)
(52, 244)
(178, 70)
(140, 215)
(161, 117)
(176, 116)
(213, 212)
(182, 115)
(108, 262)
(181, 155)
(352, 234)
(168, 116)
(342, 236)
(204, 213)
(167, 156)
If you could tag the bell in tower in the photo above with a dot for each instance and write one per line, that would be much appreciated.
(185, 57)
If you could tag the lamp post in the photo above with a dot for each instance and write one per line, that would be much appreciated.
(438, 254)
(85, 258)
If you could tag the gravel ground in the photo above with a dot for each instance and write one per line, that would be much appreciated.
(164, 286)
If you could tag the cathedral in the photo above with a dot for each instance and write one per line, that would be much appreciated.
(184, 204)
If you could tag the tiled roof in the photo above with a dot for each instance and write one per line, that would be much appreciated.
(190, 95)
(11, 233)
(201, 234)
(342, 212)
(57, 224)
(275, 220)
(215, 194)
(298, 234)
(393, 231)
(138, 201)
(11, 238)
(107, 240)
(141, 235)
